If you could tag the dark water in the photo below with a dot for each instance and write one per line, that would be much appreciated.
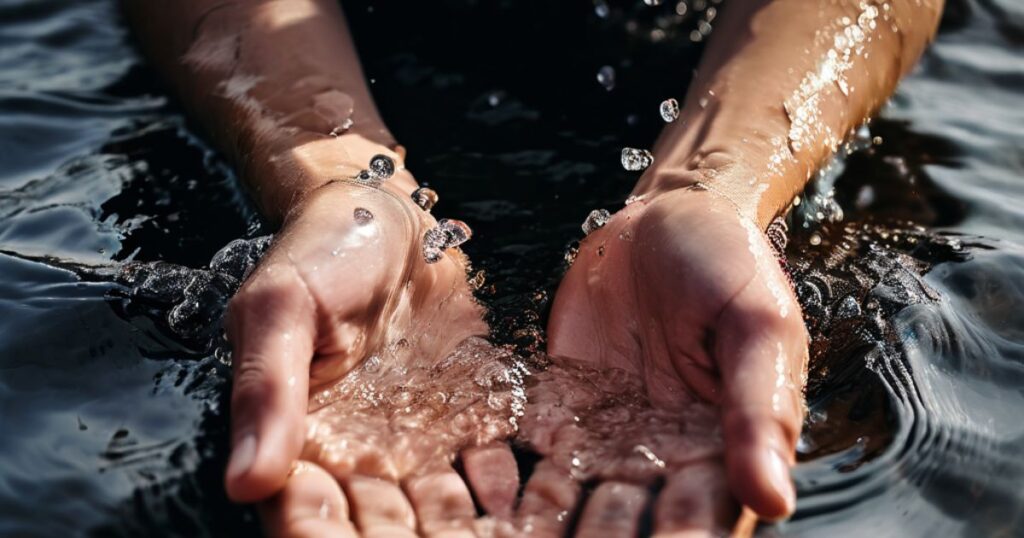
(111, 423)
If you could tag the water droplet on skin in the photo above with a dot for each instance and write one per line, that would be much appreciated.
(372, 364)
(362, 217)
(703, 102)
(425, 197)
(447, 234)
(600, 250)
(649, 455)
(345, 125)
(606, 77)
(596, 219)
(382, 167)
(636, 159)
(570, 254)
(364, 177)
(669, 110)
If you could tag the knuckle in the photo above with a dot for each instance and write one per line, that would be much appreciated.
(252, 379)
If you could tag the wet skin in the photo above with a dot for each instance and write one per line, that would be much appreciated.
(692, 304)
(297, 332)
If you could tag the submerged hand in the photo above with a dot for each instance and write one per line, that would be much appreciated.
(343, 300)
(381, 443)
(686, 295)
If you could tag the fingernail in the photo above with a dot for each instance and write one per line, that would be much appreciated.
(778, 476)
(242, 457)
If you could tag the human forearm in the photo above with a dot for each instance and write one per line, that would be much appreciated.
(781, 85)
(270, 81)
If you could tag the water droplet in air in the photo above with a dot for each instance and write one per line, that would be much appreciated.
(877, 141)
(596, 219)
(425, 197)
(606, 77)
(447, 234)
(601, 8)
(653, 2)
(636, 159)
(815, 239)
(669, 110)
(362, 216)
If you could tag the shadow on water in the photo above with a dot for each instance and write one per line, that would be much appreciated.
(114, 410)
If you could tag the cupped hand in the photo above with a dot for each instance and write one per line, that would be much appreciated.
(687, 296)
(355, 354)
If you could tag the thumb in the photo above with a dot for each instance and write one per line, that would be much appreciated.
(271, 324)
(760, 352)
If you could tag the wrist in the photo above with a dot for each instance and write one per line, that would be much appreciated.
(282, 172)
(755, 196)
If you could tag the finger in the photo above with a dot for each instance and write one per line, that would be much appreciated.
(270, 325)
(379, 508)
(549, 500)
(613, 510)
(760, 354)
(310, 505)
(444, 508)
(494, 476)
(695, 502)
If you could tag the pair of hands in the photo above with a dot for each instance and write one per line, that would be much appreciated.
(677, 356)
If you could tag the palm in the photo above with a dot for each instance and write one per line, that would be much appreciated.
(685, 297)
